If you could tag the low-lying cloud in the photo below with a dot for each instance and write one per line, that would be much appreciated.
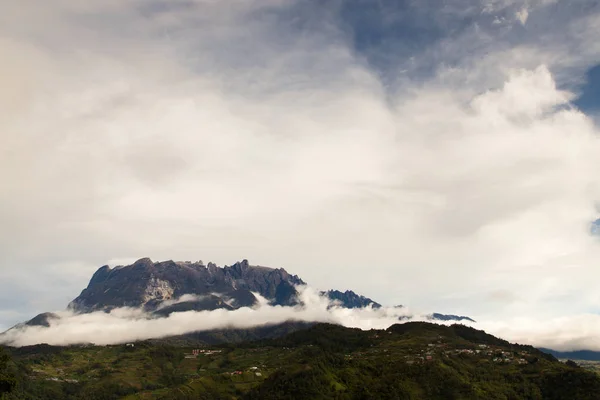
(570, 333)
(128, 325)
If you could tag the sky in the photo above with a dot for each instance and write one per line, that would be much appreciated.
(441, 155)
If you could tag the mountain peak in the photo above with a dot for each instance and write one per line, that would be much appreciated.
(241, 266)
(449, 317)
(148, 284)
(100, 274)
(143, 261)
(349, 299)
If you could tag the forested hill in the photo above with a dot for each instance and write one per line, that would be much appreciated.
(415, 360)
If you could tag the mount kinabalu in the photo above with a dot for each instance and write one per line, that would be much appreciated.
(156, 286)
(162, 288)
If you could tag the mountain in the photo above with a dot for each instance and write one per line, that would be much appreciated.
(234, 335)
(588, 355)
(349, 299)
(165, 287)
(162, 288)
(449, 317)
(42, 320)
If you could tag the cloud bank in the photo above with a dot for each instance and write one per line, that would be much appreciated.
(454, 175)
(128, 325)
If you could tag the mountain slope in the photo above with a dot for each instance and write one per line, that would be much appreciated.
(415, 360)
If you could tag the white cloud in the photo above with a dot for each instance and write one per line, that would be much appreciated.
(569, 333)
(125, 325)
(522, 15)
(228, 132)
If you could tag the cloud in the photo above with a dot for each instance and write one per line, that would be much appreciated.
(260, 130)
(522, 16)
(122, 325)
(126, 324)
(183, 299)
(569, 333)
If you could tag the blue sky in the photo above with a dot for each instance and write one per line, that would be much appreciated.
(445, 150)
(588, 100)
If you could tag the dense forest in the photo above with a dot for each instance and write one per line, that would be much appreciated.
(407, 361)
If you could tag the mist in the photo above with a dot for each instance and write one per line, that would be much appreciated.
(127, 325)
(124, 325)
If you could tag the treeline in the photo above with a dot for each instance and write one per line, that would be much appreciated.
(8, 379)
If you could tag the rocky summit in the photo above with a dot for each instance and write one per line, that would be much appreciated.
(169, 286)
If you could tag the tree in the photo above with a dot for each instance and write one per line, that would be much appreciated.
(571, 363)
(7, 380)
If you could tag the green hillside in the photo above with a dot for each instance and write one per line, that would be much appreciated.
(406, 361)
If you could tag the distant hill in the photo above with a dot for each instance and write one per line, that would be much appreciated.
(449, 317)
(587, 355)
(349, 299)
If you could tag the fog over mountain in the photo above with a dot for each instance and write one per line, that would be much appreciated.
(445, 157)
(147, 300)
(127, 324)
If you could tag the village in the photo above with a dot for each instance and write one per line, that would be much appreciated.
(441, 349)
(493, 354)
(256, 371)
(196, 352)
